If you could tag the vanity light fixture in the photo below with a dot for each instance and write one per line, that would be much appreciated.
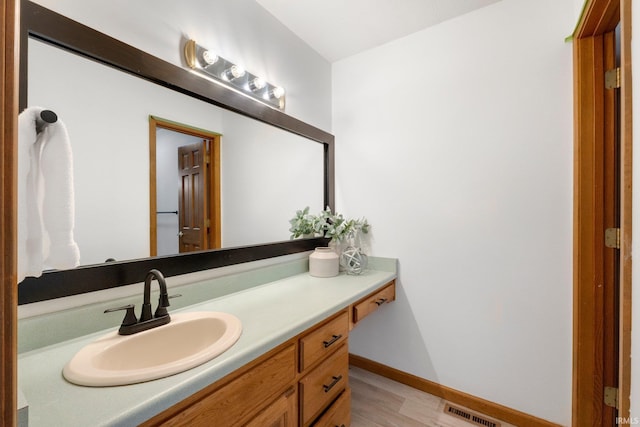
(219, 69)
(233, 72)
(209, 57)
(276, 92)
(257, 84)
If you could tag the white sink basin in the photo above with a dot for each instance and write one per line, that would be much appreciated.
(188, 341)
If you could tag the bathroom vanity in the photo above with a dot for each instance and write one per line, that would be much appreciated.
(279, 369)
(312, 366)
(289, 367)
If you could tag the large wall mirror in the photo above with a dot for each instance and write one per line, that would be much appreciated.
(106, 92)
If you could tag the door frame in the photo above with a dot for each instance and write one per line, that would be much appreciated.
(10, 52)
(214, 238)
(598, 18)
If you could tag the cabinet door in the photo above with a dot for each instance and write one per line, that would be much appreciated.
(236, 401)
(323, 384)
(281, 413)
(338, 414)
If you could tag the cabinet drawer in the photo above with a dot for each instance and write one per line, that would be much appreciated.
(317, 344)
(339, 414)
(241, 397)
(371, 303)
(321, 386)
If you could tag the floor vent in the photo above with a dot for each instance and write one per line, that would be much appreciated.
(470, 417)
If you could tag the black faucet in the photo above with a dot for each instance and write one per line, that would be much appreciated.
(130, 324)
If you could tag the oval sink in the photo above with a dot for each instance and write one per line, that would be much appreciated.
(191, 339)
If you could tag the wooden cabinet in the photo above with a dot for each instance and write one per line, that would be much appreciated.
(372, 302)
(339, 414)
(323, 384)
(280, 413)
(324, 366)
(232, 403)
(320, 342)
(302, 382)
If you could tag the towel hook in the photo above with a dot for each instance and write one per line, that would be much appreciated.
(46, 118)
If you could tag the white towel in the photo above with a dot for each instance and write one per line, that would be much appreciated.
(45, 197)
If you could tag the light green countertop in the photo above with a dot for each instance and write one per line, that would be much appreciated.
(271, 313)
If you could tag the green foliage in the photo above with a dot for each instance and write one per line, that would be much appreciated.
(326, 224)
(302, 223)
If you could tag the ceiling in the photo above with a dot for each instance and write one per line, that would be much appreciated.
(340, 28)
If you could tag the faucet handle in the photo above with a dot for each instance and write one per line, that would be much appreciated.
(163, 303)
(129, 318)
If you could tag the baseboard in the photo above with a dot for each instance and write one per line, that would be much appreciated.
(486, 407)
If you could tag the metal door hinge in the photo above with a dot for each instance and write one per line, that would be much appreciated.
(612, 238)
(611, 397)
(612, 78)
(208, 223)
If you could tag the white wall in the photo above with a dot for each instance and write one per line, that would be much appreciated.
(240, 30)
(258, 187)
(456, 144)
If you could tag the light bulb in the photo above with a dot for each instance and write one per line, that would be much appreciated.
(234, 72)
(277, 92)
(209, 57)
(257, 84)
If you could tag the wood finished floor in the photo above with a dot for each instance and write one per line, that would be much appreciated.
(377, 401)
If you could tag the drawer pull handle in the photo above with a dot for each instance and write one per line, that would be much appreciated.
(335, 381)
(381, 301)
(332, 340)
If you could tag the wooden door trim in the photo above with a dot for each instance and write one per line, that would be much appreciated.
(215, 238)
(610, 215)
(153, 189)
(626, 161)
(587, 240)
(600, 16)
(8, 206)
(215, 213)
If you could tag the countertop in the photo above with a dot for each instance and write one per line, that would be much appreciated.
(271, 314)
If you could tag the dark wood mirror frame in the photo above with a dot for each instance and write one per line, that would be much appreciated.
(42, 24)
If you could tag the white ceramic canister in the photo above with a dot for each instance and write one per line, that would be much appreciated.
(324, 262)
